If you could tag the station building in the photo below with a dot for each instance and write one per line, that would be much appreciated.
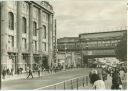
(26, 34)
(100, 44)
(92, 45)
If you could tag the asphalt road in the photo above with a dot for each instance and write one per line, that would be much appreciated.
(35, 83)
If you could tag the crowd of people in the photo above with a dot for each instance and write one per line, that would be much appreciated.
(98, 78)
(36, 69)
(7, 71)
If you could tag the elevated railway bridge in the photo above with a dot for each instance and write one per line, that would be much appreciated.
(92, 45)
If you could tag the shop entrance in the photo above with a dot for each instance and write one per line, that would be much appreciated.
(45, 62)
(12, 62)
(25, 61)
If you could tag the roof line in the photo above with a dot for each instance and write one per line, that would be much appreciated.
(103, 32)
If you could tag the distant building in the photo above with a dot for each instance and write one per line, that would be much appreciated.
(68, 51)
(26, 34)
(92, 45)
(101, 43)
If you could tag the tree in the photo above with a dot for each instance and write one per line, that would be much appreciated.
(121, 49)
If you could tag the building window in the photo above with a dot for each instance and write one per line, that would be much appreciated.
(24, 41)
(35, 45)
(44, 46)
(24, 25)
(11, 40)
(44, 31)
(34, 28)
(11, 20)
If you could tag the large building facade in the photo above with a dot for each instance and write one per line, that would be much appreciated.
(26, 34)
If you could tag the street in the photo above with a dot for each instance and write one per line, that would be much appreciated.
(29, 84)
(46, 81)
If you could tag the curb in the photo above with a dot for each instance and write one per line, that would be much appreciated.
(18, 77)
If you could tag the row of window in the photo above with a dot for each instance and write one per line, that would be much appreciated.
(24, 25)
(24, 43)
(84, 45)
(35, 44)
(67, 47)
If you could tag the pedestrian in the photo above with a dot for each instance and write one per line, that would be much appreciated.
(93, 76)
(122, 74)
(104, 75)
(99, 84)
(90, 76)
(12, 70)
(30, 73)
(8, 71)
(39, 70)
(116, 80)
(27, 70)
(21, 70)
(18, 71)
(4, 72)
(43, 69)
(111, 71)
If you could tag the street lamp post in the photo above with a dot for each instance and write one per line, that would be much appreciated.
(65, 57)
(81, 52)
(87, 53)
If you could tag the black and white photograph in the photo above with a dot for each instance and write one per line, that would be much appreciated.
(63, 45)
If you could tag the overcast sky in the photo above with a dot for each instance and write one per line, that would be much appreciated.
(84, 16)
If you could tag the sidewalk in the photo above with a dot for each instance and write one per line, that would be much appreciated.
(24, 75)
(108, 84)
(35, 74)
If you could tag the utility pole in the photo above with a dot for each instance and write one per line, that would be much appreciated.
(0, 45)
(65, 57)
(81, 52)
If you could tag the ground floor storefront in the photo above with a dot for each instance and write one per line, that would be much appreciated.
(12, 64)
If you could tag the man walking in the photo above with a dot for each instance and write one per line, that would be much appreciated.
(116, 80)
(4, 72)
(39, 70)
(30, 73)
(93, 76)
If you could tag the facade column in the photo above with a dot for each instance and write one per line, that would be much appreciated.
(40, 34)
(4, 35)
(54, 42)
(31, 34)
(19, 33)
(50, 40)
(74, 56)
